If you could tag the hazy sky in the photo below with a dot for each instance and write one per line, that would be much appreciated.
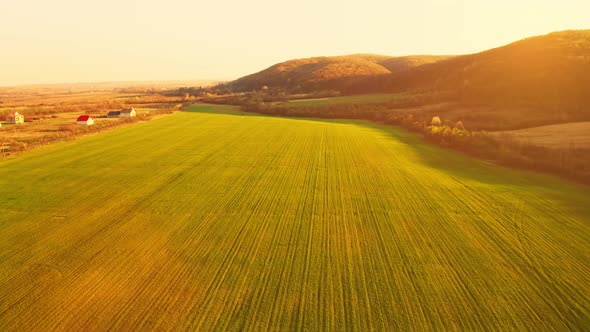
(85, 41)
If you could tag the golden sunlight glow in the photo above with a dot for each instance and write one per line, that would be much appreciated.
(69, 40)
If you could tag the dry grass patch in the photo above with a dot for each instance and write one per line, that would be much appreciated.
(561, 136)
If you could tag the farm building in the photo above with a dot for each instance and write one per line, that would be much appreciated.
(85, 120)
(114, 114)
(128, 113)
(15, 118)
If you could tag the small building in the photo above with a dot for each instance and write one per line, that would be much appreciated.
(85, 120)
(114, 114)
(127, 113)
(15, 118)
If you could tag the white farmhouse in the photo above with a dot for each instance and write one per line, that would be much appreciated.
(15, 118)
(127, 113)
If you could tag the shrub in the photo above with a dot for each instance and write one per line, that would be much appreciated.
(17, 146)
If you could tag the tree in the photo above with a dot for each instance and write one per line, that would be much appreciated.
(436, 121)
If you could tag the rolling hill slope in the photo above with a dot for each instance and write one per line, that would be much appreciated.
(542, 74)
(550, 71)
(334, 72)
(310, 73)
(402, 63)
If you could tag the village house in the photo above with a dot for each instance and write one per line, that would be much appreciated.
(114, 114)
(85, 120)
(127, 113)
(14, 118)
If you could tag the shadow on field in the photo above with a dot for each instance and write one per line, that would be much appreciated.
(448, 161)
(459, 165)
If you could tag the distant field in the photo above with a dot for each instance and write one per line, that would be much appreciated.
(478, 117)
(46, 129)
(216, 220)
(369, 98)
(565, 135)
(51, 111)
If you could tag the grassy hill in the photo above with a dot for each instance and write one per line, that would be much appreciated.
(333, 72)
(212, 221)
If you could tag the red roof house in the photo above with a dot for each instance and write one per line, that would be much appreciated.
(85, 120)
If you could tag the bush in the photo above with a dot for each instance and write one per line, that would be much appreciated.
(17, 146)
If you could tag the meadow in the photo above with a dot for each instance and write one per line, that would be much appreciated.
(365, 99)
(213, 219)
(576, 134)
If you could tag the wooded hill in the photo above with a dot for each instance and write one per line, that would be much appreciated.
(550, 72)
(327, 73)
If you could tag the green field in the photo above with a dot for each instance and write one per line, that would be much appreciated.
(361, 99)
(208, 220)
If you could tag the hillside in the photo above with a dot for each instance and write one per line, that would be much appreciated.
(549, 71)
(543, 76)
(334, 72)
(310, 73)
(402, 63)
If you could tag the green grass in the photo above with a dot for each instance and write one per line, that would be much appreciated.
(205, 220)
(361, 99)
